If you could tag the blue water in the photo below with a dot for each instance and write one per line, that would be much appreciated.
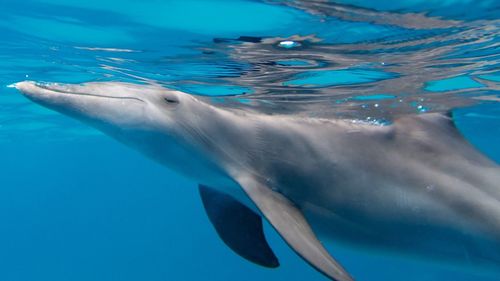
(76, 205)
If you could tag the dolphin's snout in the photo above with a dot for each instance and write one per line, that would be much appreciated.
(24, 87)
(32, 88)
(44, 90)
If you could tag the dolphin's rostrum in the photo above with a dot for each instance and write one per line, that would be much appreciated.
(415, 186)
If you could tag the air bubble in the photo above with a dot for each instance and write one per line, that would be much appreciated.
(288, 44)
(422, 108)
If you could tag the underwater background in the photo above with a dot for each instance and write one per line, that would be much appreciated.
(76, 205)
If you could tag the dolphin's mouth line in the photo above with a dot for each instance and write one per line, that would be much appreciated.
(85, 94)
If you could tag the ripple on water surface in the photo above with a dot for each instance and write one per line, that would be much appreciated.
(317, 58)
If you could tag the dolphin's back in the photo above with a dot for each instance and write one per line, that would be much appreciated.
(416, 185)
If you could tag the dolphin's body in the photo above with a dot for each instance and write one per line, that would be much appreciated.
(415, 186)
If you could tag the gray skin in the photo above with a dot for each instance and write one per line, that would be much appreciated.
(415, 187)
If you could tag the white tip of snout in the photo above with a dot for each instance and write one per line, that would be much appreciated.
(21, 85)
(24, 86)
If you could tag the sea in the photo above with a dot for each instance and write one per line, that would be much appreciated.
(76, 205)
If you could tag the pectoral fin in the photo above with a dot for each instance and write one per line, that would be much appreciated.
(288, 220)
(238, 226)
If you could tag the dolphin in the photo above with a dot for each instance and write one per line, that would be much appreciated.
(415, 186)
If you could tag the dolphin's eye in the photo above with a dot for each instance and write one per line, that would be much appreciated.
(171, 100)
